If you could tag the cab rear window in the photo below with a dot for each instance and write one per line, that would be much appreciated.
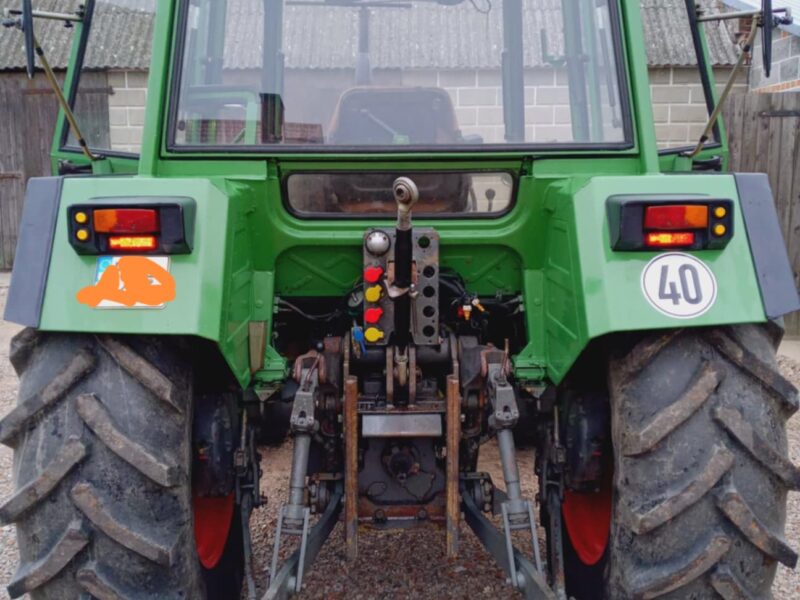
(362, 195)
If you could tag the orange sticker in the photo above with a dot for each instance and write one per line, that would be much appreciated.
(130, 281)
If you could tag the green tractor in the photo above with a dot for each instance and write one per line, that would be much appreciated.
(333, 230)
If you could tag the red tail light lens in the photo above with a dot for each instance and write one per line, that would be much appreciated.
(126, 220)
(676, 216)
(677, 239)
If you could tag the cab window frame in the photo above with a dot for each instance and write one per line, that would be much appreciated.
(619, 51)
(74, 89)
(444, 216)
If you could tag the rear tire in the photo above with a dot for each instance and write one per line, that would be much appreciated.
(701, 466)
(102, 439)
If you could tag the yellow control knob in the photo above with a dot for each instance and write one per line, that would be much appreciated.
(720, 212)
(720, 230)
(373, 294)
(373, 334)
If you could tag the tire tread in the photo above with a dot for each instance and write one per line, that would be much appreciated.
(103, 484)
(88, 500)
(723, 432)
(35, 491)
(23, 414)
(96, 416)
(33, 576)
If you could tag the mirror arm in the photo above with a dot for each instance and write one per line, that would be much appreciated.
(62, 101)
(43, 14)
(746, 14)
(746, 48)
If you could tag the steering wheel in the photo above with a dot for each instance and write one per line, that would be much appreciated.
(27, 29)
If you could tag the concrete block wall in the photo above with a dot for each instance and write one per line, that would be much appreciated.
(785, 74)
(679, 105)
(678, 102)
(478, 100)
(126, 107)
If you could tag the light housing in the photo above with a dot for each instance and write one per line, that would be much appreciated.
(143, 225)
(641, 222)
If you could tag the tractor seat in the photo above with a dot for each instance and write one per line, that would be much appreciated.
(394, 116)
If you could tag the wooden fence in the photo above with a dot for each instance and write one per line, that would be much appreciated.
(28, 114)
(764, 134)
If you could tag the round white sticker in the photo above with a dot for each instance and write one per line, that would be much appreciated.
(679, 285)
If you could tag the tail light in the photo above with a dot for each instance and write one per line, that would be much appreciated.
(130, 243)
(126, 220)
(678, 239)
(135, 225)
(652, 223)
(676, 216)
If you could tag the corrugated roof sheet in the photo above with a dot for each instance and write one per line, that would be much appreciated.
(431, 34)
(121, 35)
(669, 42)
(422, 36)
(326, 37)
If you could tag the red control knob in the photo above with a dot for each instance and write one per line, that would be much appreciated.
(373, 315)
(373, 274)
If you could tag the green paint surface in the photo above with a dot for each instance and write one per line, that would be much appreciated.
(553, 247)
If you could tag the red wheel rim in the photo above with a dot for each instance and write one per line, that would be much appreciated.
(212, 523)
(588, 521)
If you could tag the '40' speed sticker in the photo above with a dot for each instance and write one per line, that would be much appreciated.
(679, 285)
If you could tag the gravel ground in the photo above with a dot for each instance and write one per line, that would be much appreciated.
(399, 564)
(787, 583)
(385, 568)
(8, 398)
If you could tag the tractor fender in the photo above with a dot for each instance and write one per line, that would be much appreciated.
(770, 259)
(592, 290)
(49, 274)
(34, 246)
